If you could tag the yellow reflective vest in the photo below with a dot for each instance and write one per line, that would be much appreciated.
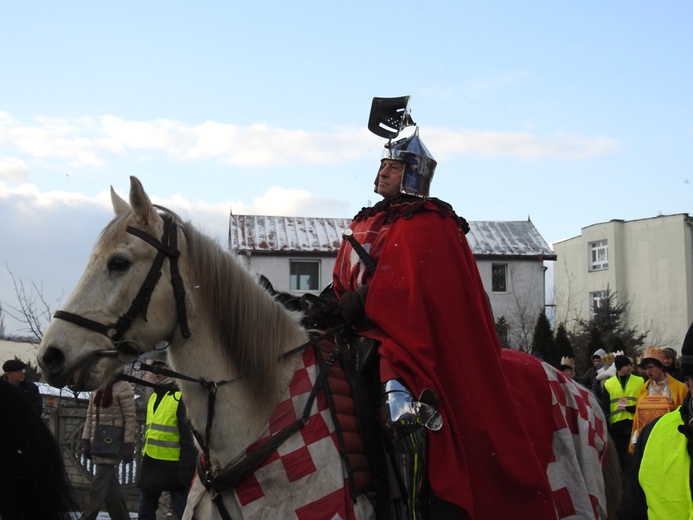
(617, 394)
(161, 436)
(665, 471)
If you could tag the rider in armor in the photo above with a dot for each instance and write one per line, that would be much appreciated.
(405, 268)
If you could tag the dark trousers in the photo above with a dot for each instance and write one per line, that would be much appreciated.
(105, 488)
(149, 503)
(620, 433)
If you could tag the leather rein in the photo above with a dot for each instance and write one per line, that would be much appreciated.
(215, 482)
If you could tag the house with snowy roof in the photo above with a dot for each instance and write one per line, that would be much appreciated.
(297, 255)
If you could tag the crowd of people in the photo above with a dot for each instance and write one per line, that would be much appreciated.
(649, 410)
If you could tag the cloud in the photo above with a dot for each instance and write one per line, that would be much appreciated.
(58, 138)
(12, 170)
(84, 142)
(52, 233)
(520, 145)
(255, 145)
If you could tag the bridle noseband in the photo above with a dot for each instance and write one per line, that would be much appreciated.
(167, 247)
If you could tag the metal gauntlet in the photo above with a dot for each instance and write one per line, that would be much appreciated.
(404, 422)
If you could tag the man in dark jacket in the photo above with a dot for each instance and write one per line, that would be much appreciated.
(658, 483)
(14, 374)
(168, 460)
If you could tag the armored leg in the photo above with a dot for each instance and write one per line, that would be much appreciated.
(406, 443)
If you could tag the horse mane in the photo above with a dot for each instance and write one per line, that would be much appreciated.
(234, 302)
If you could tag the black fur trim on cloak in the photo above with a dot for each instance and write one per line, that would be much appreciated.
(405, 206)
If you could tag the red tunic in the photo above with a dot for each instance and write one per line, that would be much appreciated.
(436, 330)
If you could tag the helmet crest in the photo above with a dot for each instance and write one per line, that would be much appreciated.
(389, 116)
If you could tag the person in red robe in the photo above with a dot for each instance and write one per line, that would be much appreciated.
(407, 265)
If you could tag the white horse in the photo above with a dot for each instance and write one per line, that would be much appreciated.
(237, 335)
(231, 338)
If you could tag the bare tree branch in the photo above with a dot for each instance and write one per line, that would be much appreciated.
(33, 310)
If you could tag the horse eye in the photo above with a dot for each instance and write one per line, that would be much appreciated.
(118, 264)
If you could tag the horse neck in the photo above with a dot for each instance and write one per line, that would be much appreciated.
(238, 333)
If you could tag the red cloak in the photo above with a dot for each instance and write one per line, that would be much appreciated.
(432, 317)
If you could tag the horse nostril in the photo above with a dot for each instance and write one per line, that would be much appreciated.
(53, 359)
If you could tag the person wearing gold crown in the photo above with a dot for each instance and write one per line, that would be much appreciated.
(658, 482)
(659, 395)
(406, 267)
(567, 366)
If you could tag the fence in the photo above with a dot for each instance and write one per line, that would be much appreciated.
(66, 418)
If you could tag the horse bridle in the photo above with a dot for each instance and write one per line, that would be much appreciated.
(167, 247)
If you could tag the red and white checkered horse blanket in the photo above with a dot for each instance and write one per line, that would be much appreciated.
(305, 478)
(570, 433)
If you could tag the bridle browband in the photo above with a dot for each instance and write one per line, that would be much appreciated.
(167, 247)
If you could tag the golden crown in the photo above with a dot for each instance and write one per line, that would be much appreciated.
(568, 361)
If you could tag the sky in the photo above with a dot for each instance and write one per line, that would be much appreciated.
(567, 113)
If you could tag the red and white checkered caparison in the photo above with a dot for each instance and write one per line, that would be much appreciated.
(291, 483)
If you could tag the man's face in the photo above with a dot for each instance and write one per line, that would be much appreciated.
(625, 370)
(15, 377)
(654, 371)
(597, 361)
(389, 178)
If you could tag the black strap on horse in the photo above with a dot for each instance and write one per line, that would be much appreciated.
(167, 247)
(229, 477)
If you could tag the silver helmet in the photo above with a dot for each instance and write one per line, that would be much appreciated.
(387, 119)
(419, 164)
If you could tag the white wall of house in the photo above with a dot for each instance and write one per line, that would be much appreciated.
(27, 352)
(650, 266)
(523, 299)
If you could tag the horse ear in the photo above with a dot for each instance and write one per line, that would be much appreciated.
(119, 205)
(141, 204)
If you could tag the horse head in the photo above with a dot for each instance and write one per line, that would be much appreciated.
(101, 327)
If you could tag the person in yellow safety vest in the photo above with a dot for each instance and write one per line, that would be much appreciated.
(618, 402)
(168, 455)
(660, 394)
(658, 482)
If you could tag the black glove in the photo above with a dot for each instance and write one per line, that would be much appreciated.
(352, 304)
(128, 452)
(86, 448)
(630, 409)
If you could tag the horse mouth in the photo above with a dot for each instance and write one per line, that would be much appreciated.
(81, 376)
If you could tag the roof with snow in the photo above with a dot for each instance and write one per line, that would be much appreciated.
(262, 234)
(507, 238)
(266, 234)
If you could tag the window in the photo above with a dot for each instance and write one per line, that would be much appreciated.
(304, 275)
(599, 255)
(597, 301)
(499, 277)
